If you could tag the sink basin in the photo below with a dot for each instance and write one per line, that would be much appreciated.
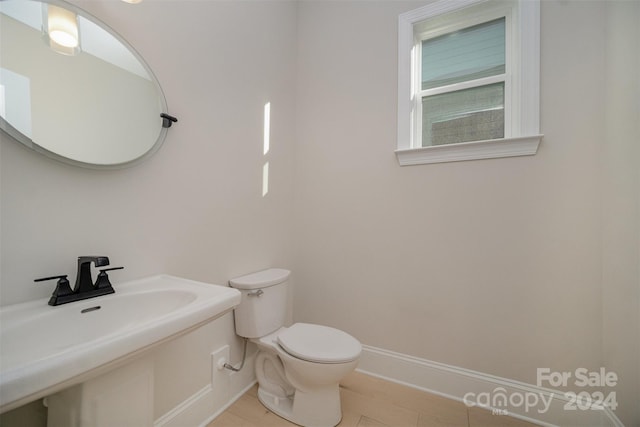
(44, 348)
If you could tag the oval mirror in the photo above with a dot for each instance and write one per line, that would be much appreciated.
(74, 90)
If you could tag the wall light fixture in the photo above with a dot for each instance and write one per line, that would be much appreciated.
(60, 29)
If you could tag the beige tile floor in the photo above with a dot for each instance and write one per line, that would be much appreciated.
(372, 402)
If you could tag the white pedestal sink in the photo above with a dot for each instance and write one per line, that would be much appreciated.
(46, 349)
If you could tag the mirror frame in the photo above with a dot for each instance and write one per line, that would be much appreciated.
(29, 143)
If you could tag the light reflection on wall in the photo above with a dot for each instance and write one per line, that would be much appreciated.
(265, 179)
(267, 126)
(265, 151)
(15, 101)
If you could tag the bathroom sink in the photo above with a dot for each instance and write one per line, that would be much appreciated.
(44, 349)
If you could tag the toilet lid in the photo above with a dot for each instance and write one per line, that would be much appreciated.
(320, 344)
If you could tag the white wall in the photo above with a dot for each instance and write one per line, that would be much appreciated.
(492, 265)
(195, 209)
(620, 207)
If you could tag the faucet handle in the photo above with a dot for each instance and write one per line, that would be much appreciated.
(63, 288)
(102, 282)
(111, 268)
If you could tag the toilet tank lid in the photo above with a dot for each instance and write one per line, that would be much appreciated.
(261, 279)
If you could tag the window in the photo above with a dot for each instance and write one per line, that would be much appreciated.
(468, 81)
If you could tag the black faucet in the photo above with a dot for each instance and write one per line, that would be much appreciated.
(83, 277)
(83, 288)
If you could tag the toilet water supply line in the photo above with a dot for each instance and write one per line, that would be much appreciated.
(244, 357)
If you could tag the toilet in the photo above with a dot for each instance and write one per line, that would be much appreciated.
(299, 367)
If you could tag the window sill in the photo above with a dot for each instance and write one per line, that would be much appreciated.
(489, 149)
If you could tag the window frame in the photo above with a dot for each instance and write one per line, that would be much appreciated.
(522, 64)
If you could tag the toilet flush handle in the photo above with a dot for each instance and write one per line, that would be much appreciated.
(257, 293)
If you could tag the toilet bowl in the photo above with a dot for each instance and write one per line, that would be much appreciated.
(299, 367)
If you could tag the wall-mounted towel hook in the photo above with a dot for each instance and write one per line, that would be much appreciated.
(167, 120)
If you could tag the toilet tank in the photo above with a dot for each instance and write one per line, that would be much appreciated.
(263, 307)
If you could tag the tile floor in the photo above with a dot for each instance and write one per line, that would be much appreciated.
(371, 402)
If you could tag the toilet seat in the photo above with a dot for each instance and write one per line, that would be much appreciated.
(319, 344)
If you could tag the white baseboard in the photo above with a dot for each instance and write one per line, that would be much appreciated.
(474, 387)
(229, 403)
(206, 404)
(452, 382)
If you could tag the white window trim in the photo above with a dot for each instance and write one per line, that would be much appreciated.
(525, 136)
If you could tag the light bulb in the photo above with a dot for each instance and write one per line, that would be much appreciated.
(63, 27)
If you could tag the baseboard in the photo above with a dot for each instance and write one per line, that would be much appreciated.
(226, 406)
(207, 403)
(452, 382)
(504, 396)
